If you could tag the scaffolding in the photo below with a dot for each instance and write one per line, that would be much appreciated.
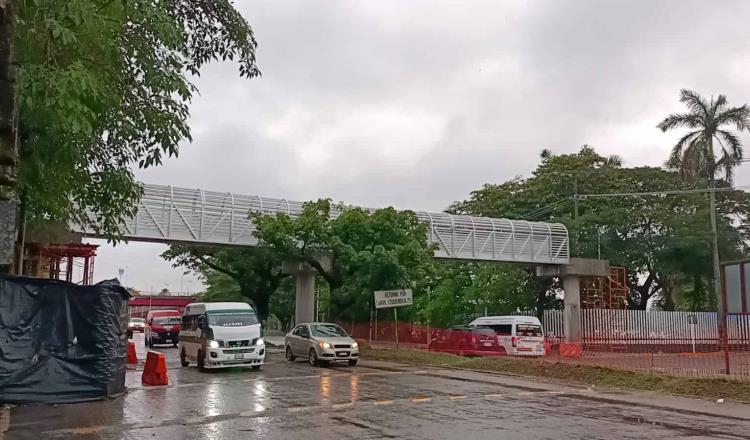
(608, 292)
(69, 262)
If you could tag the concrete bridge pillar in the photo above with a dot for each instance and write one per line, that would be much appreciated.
(571, 274)
(304, 310)
(304, 275)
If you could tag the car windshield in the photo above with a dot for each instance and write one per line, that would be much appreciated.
(528, 330)
(323, 330)
(232, 318)
(137, 320)
(167, 320)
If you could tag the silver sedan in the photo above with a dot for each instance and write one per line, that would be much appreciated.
(321, 342)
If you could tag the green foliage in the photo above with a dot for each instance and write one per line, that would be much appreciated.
(663, 240)
(694, 154)
(102, 88)
(466, 290)
(253, 274)
(384, 249)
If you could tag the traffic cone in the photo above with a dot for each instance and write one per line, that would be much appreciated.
(132, 356)
(155, 370)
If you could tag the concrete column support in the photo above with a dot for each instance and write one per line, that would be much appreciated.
(571, 274)
(572, 311)
(304, 275)
(304, 310)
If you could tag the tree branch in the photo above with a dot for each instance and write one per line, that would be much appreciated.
(217, 268)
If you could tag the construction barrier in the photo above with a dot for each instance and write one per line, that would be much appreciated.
(132, 356)
(155, 370)
(570, 350)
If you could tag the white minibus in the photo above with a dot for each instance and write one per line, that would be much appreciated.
(221, 334)
(519, 335)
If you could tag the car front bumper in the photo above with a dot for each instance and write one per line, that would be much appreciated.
(338, 354)
(236, 357)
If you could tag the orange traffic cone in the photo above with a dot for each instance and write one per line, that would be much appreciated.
(132, 356)
(155, 370)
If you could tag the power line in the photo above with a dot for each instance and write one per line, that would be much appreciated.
(664, 192)
(539, 212)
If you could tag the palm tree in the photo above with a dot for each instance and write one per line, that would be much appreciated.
(693, 155)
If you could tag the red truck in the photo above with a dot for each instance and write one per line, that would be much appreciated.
(162, 327)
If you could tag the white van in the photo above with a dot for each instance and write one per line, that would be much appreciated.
(520, 335)
(221, 334)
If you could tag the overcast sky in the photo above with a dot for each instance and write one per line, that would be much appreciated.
(415, 104)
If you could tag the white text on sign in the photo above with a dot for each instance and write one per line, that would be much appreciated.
(393, 298)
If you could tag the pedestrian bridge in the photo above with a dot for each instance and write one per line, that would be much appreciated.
(170, 214)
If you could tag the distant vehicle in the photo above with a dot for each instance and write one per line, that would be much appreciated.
(321, 342)
(221, 334)
(136, 325)
(468, 341)
(519, 335)
(162, 327)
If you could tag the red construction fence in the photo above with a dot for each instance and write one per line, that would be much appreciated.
(679, 343)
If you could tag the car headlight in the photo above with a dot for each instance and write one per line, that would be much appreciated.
(213, 344)
(325, 345)
(355, 345)
(260, 341)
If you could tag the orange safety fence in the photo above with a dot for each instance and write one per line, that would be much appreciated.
(676, 343)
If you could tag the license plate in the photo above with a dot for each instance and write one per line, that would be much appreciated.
(239, 356)
(342, 353)
(488, 344)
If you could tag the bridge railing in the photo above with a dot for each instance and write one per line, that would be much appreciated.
(172, 214)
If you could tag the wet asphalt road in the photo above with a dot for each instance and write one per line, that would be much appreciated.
(372, 401)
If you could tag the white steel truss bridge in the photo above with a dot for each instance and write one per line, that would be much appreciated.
(170, 214)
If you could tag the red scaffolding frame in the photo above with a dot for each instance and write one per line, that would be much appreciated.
(70, 262)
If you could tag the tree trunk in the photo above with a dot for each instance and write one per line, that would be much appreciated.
(259, 299)
(8, 140)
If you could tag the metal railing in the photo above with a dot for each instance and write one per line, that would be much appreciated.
(171, 214)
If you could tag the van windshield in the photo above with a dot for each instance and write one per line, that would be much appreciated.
(231, 318)
(167, 320)
(528, 330)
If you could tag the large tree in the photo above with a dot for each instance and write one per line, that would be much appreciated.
(256, 272)
(694, 153)
(103, 88)
(384, 249)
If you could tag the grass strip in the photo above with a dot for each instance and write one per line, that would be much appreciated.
(575, 374)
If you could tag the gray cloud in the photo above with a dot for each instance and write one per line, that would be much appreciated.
(414, 104)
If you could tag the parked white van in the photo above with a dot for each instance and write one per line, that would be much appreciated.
(221, 334)
(519, 335)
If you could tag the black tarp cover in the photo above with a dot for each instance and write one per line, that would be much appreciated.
(61, 342)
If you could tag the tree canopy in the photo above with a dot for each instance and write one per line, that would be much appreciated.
(707, 121)
(661, 239)
(103, 88)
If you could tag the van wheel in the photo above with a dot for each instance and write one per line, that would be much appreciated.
(352, 362)
(183, 358)
(255, 367)
(202, 362)
(313, 358)
(289, 355)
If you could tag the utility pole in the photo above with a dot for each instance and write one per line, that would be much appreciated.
(575, 215)
(715, 238)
